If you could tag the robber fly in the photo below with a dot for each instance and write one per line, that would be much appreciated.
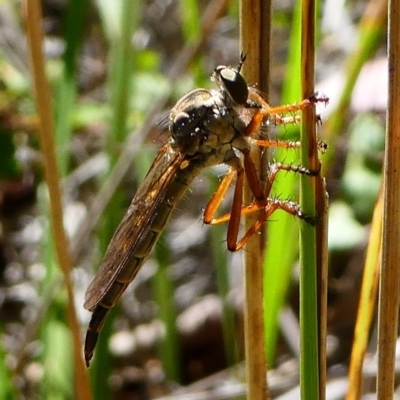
(207, 128)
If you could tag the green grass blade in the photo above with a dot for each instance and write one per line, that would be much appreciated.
(7, 391)
(163, 294)
(66, 95)
(58, 244)
(190, 17)
(58, 379)
(55, 336)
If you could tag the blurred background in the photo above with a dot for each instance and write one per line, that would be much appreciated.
(115, 67)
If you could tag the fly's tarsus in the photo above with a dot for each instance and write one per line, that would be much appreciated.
(319, 98)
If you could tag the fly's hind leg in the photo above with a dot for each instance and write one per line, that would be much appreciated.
(263, 201)
(234, 216)
(267, 208)
(263, 204)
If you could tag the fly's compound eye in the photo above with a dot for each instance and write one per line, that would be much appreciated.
(233, 83)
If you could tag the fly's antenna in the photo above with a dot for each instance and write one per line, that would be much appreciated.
(241, 61)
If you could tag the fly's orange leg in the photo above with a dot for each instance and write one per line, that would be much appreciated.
(262, 203)
(235, 214)
(268, 207)
(217, 197)
(255, 123)
(289, 120)
(292, 108)
(286, 144)
(254, 183)
(234, 220)
(276, 143)
(252, 177)
(236, 211)
(213, 204)
(274, 114)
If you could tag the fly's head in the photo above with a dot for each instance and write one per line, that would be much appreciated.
(233, 86)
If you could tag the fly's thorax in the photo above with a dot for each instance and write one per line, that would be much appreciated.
(190, 116)
(224, 142)
(224, 129)
(205, 126)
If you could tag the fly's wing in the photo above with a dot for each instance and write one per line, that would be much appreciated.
(138, 217)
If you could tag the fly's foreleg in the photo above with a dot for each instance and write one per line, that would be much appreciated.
(266, 114)
(293, 108)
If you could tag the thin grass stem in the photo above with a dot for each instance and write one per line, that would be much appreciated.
(367, 303)
(255, 23)
(389, 290)
(46, 133)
